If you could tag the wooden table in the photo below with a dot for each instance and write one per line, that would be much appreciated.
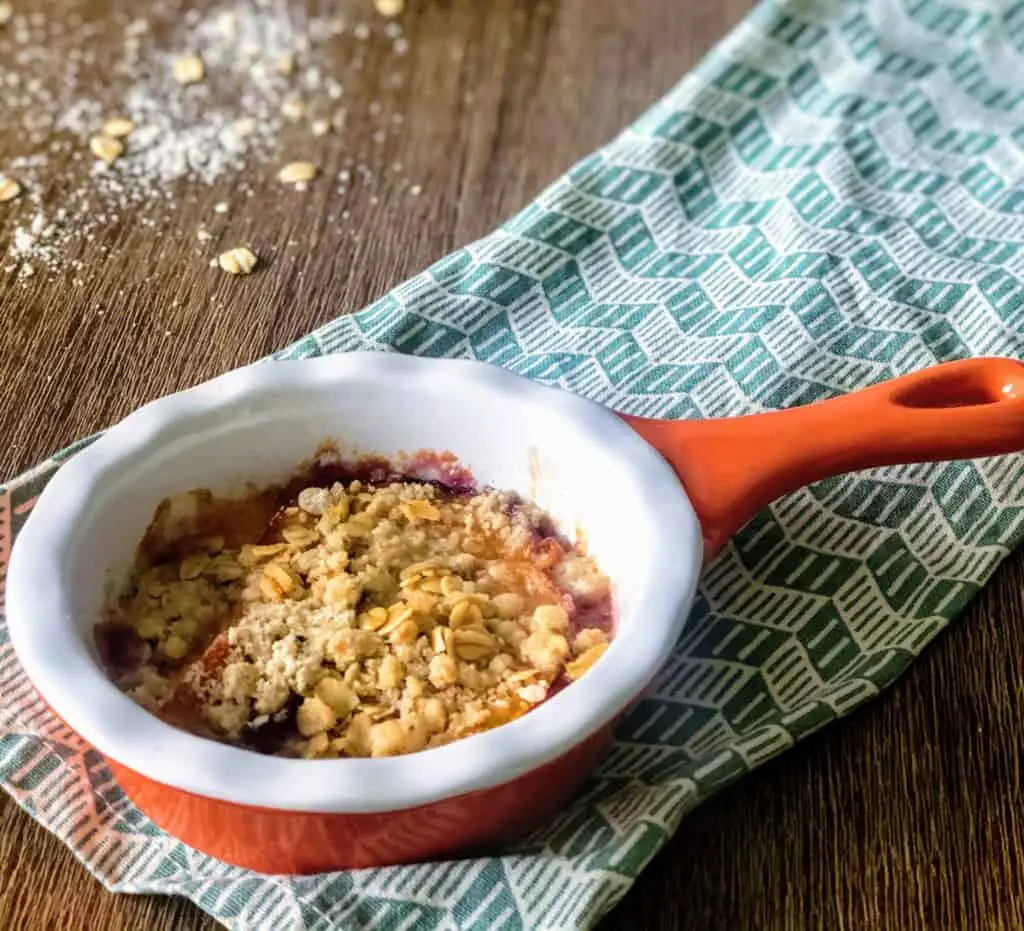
(906, 815)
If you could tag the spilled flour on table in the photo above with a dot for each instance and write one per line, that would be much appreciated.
(266, 67)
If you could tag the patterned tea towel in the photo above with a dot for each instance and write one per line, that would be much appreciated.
(834, 197)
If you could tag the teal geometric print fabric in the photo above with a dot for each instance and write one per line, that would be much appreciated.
(834, 197)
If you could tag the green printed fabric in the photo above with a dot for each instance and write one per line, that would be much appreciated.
(834, 197)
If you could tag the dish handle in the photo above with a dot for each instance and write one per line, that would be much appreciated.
(733, 467)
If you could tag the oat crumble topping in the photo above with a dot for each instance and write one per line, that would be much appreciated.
(369, 620)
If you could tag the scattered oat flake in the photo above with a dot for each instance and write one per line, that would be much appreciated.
(389, 8)
(117, 127)
(179, 134)
(239, 261)
(106, 148)
(296, 172)
(293, 109)
(320, 127)
(286, 65)
(9, 189)
(244, 127)
(203, 235)
(6, 12)
(222, 207)
(189, 69)
(26, 271)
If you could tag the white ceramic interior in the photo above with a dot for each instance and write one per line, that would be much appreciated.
(576, 459)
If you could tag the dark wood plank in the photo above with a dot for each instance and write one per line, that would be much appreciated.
(906, 815)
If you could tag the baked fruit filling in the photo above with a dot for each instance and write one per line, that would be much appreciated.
(360, 618)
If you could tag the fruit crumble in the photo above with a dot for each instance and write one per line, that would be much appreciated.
(359, 618)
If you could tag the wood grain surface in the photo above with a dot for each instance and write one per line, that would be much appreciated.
(906, 815)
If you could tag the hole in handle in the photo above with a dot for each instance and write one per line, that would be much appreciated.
(955, 389)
